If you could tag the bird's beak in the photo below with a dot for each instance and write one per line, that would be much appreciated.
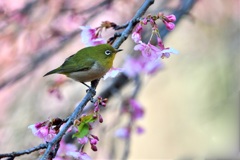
(118, 50)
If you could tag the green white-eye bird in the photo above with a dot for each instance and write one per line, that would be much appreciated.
(88, 64)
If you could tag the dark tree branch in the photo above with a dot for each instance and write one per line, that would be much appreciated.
(28, 151)
(117, 27)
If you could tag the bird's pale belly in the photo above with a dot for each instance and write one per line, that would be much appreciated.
(95, 72)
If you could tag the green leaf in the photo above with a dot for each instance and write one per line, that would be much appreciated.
(83, 130)
(88, 119)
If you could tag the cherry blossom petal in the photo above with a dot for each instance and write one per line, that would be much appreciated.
(89, 36)
(113, 72)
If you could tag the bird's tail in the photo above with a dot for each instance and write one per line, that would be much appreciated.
(52, 72)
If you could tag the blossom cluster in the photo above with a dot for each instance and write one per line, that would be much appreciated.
(81, 128)
(83, 136)
(151, 60)
(46, 130)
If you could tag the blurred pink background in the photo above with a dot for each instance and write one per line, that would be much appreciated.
(191, 107)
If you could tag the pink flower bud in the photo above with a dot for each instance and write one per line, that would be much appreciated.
(96, 109)
(96, 104)
(94, 148)
(170, 26)
(100, 118)
(90, 127)
(171, 18)
(93, 141)
(103, 104)
(144, 21)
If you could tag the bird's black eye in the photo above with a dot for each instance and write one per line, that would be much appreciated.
(107, 52)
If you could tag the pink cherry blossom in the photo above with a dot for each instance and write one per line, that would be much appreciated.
(42, 131)
(148, 50)
(90, 37)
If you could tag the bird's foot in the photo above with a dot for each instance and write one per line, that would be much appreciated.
(90, 89)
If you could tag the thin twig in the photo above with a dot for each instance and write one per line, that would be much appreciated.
(132, 23)
(27, 151)
(117, 27)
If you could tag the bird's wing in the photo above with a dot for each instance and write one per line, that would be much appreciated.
(72, 65)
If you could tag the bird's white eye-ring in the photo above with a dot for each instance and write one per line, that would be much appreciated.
(107, 52)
